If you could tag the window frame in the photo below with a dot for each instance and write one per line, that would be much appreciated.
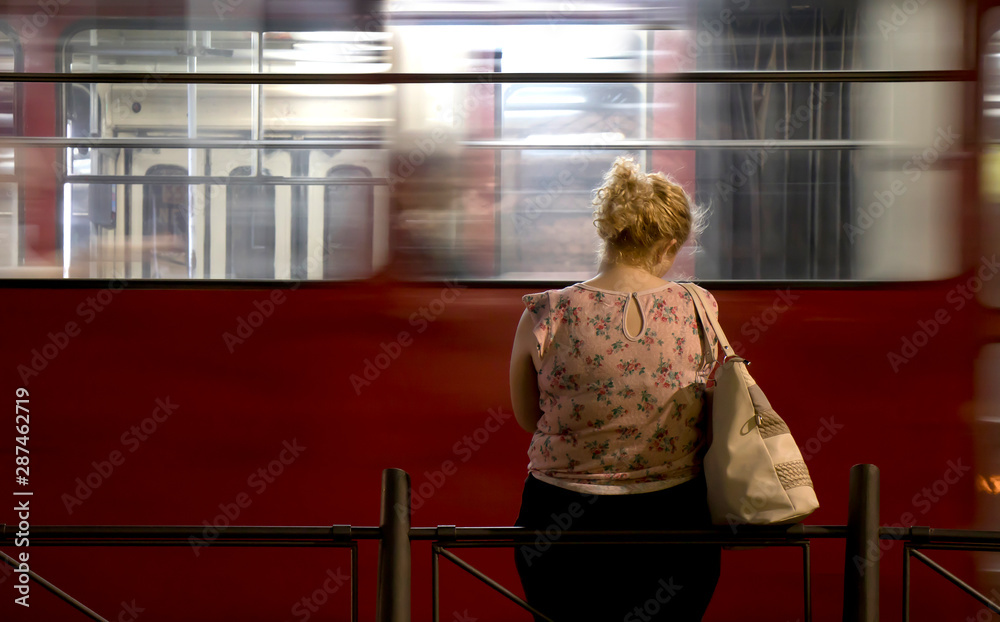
(178, 24)
(298, 25)
(18, 126)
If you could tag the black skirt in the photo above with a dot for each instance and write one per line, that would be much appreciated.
(620, 582)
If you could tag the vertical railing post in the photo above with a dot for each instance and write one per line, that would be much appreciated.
(394, 548)
(861, 559)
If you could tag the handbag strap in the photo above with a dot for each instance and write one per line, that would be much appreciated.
(701, 306)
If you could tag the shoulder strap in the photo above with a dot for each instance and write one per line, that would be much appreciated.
(706, 318)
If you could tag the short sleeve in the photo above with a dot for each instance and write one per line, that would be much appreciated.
(539, 307)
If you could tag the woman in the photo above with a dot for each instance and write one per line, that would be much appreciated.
(609, 376)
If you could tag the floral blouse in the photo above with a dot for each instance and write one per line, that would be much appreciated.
(620, 413)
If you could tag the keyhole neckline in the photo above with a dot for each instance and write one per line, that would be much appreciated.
(642, 317)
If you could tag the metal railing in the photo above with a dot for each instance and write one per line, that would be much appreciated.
(395, 534)
(861, 558)
(861, 533)
(445, 538)
(927, 538)
(336, 536)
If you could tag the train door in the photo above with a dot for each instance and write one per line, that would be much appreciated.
(348, 224)
(165, 224)
(250, 214)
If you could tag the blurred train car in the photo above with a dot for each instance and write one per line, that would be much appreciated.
(234, 300)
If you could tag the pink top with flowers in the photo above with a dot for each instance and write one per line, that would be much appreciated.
(621, 413)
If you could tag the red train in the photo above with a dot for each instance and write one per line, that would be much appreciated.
(234, 298)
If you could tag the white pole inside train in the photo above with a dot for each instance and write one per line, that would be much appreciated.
(192, 166)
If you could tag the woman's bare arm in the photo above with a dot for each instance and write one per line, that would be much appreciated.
(524, 376)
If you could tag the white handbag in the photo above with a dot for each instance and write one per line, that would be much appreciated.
(754, 469)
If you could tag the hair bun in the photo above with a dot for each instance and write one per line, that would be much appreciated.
(621, 198)
(626, 171)
(635, 211)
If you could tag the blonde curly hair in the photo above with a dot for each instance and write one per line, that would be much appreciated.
(636, 211)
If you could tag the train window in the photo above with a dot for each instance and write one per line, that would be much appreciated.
(780, 214)
(802, 180)
(10, 219)
(216, 136)
(990, 163)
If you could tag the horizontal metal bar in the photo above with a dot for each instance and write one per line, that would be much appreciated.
(692, 77)
(625, 144)
(960, 583)
(748, 534)
(225, 180)
(962, 546)
(688, 145)
(179, 542)
(659, 17)
(85, 610)
(189, 143)
(566, 540)
(44, 533)
(921, 535)
(628, 144)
